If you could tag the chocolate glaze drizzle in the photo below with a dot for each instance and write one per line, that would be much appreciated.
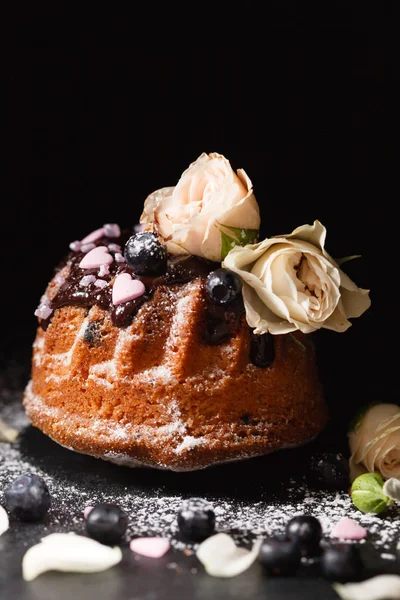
(221, 322)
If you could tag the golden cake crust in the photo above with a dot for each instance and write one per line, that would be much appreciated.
(156, 394)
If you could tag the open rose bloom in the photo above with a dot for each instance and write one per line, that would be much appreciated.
(291, 283)
(375, 442)
(208, 198)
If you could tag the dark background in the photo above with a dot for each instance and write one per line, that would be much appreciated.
(104, 108)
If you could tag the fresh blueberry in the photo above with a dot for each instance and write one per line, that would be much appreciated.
(106, 523)
(342, 563)
(27, 498)
(145, 255)
(329, 470)
(223, 286)
(262, 350)
(196, 519)
(280, 557)
(307, 532)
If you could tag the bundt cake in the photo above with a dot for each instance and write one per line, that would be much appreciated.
(147, 352)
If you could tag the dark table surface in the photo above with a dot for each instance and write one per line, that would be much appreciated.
(252, 499)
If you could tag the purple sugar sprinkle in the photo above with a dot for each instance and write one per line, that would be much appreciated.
(59, 279)
(75, 246)
(111, 230)
(87, 280)
(92, 237)
(139, 227)
(43, 311)
(104, 270)
(87, 247)
(100, 283)
(114, 247)
(119, 258)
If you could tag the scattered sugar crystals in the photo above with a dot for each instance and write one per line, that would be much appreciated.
(111, 230)
(75, 246)
(119, 258)
(87, 280)
(85, 248)
(104, 270)
(43, 311)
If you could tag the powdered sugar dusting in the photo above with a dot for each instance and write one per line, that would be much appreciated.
(155, 513)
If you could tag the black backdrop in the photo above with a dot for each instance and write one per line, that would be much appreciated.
(105, 107)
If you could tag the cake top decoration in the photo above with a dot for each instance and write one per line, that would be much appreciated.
(210, 210)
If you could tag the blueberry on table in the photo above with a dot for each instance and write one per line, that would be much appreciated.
(329, 470)
(342, 563)
(280, 556)
(223, 286)
(106, 523)
(145, 254)
(27, 498)
(196, 519)
(306, 531)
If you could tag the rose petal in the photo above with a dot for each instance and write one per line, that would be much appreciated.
(4, 522)
(380, 587)
(152, 547)
(391, 488)
(296, 307)
(222, 558)
(68, 552)
(7, 433)
(348, 529)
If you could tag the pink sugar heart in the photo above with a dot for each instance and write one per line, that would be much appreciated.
(347, 529)
(152, 547)
(96, 257)
(87, 511)
(125, 288)
(92, 237)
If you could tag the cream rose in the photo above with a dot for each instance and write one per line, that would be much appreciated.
(209, 205)
(375, 442)
(291, 283)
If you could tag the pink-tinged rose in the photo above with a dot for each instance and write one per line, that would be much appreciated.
(375, 442)
(209, 197)
(291, 283)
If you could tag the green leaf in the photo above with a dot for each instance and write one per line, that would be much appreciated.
(227, 243)
(240, 237)
(345, 259)
(297, 342)
(367, 494)
(243, 236)
(357, 420)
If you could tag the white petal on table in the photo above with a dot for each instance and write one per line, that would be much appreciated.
(222, 558)
(68, 552)
(391, 488)
(7, 433)
(380, 587)
(4, 523)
